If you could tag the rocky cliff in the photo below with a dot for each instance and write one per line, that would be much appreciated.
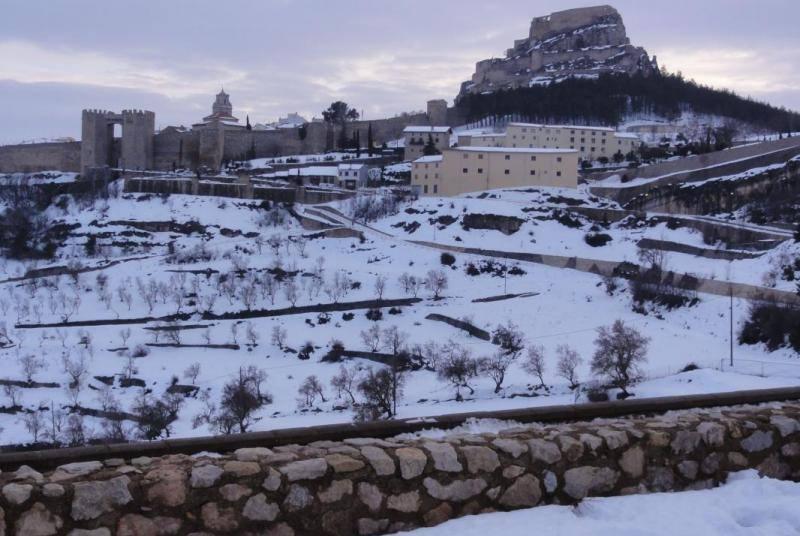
(583, 42)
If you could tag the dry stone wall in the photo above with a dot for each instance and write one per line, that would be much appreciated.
(376, 486)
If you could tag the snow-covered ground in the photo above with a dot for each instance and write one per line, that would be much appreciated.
(745, 506)
(233, 238)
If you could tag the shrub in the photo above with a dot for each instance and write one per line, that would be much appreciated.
(140, 350)
(690, 367)
(334, 355)
(374, 314)
(596, 393)
(447, 259)
(305, 351)
(597, 239)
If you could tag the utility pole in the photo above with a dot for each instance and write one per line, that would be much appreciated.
(730, 288)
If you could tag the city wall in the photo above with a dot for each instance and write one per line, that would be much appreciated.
(366, 485)
(33, 157)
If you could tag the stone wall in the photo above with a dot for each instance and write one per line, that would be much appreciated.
(376, 486)
(32, 157)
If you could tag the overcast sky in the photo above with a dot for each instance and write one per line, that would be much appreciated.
(279, 56)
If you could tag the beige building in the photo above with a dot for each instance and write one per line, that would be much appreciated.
(415, 139)
(472, 169)
(590, 142)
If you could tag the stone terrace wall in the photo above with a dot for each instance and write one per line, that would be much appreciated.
(374, 486)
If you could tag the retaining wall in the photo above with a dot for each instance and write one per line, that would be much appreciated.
(374, 486)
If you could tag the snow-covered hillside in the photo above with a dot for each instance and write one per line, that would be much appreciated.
(232, 270)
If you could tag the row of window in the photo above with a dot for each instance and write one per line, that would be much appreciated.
(435, 188)
(558, 131)
(505, 172)
(508, 157)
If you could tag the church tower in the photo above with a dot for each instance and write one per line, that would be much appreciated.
(222, 109)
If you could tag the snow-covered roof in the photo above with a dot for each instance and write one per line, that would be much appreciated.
(628, 135)
(320, 170)
(512, 150)
(426, 130)
(355, 167)
(581, 127)
(428, 159)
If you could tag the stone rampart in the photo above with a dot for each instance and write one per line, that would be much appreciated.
(33, 157)
(376, 486)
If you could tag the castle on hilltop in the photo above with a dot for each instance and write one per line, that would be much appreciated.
(582, 42)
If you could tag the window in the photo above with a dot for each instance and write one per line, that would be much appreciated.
(533, 159)
(480, 157)
(466, 156)
(425, 189)
(558, 159)
(480, 170)
(592, 149)
(508, 157)
(508, 172)
(533, 172)
(583, 140)
(572, 139)
(583, 149)
(558, 173)
(465, 170)
(426, 176)
(436, 188)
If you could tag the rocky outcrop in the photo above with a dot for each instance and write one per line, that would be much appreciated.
(583, 42)
(376, 486)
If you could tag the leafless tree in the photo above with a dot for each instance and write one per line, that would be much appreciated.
(34, 423)
(345, 382)
(172, 332)
(76, 433)
(54, 425)
(269, 288)
(436, 282)
(274, 242)
(509, 337)
(381, 391)
(380, 286)
(619, 353)
(309, 390)
(192, 372)
(372, 337)
(290, 292)
(534, 363)
(12, 392)
(567, 365)
(251, 334)
(458, 368)
(496, 366)
(125, 334)
(248, 292)
(278, 337)
(300, 243)
(234, 329)
(76, 369)
(393, 339)
(129, 370)
(31, 366)
(124, 294)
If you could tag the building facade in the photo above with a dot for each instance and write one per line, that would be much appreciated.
(471, 169)
(590, 142)
(415, 138)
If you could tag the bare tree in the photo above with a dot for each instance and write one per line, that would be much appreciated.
(31, 366)
(125, 334)
(457, 367)
(76, 432)
(192, 372)
(372, 337)
(567, 365)
(13, 393)
(380, 391)
(619, 352)
(436, 282)
(54, 425)
(278, 337)
(34, 423)
(251, 334)
(496, 366)
(290, 292)
(241, 398)
(380, 286)
(300, 243)
(269, 287)
(309, 390)
(393, 339)
(509, 337)
(234, 329)
(534, 363)
(345, 382)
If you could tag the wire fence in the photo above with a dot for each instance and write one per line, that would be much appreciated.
(754, 367)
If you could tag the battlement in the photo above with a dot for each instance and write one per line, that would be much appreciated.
(143, 113)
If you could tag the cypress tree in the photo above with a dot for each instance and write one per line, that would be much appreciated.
(248, 126)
